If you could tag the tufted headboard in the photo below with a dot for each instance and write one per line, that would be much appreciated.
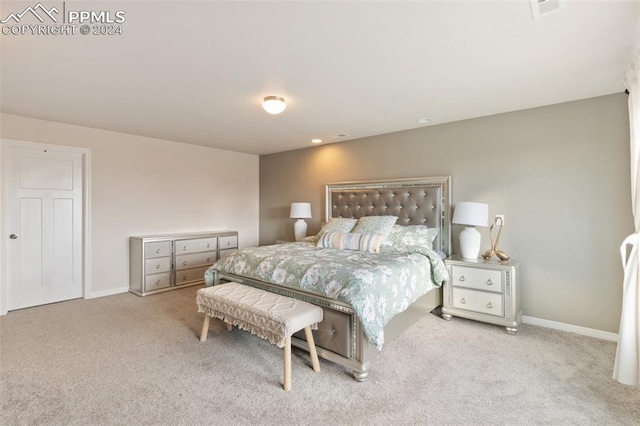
(420, 201)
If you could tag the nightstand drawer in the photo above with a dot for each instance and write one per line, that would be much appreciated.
(477, 278)
(478, 301)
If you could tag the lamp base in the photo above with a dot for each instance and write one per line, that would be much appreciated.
(300, 229)
(470, 242)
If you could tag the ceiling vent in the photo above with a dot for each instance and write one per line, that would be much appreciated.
(540, 8)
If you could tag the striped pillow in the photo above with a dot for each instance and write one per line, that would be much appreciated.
(352, 241)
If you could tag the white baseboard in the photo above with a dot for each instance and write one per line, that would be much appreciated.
(120, 290)
(584, 331)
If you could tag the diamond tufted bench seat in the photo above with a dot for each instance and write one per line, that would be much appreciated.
(267, 315)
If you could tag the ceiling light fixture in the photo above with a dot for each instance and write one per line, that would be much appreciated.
(274, 104)
(316, 140)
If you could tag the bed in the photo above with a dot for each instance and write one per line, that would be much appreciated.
(358, 321)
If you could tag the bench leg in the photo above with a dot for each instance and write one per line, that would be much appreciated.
(312, 349)
(205, 328)
(229, 326)
(287, 363)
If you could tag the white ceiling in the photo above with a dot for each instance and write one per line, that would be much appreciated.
(196, 72)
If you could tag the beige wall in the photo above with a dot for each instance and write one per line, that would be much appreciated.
(559, 174)
(143, 186)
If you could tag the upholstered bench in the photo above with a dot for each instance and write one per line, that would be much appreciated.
(267, 315)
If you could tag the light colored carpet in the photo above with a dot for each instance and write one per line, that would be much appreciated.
(129, 360)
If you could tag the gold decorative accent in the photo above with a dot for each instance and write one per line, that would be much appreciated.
(494, 246)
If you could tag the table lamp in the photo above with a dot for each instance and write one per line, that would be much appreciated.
(300, 211)
(471, 215)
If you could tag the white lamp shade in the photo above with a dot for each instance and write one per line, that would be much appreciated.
(300, 211)
(274, 104)
(472, 214)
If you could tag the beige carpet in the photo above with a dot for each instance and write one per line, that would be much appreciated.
(130, 360)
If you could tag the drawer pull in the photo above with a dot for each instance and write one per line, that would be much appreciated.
(157, 266)
(208, 259)
(489, 305)
(157, 250)
(158, 282)
(489, 282)
(463, 301)
(228, 243)
(184, 248)
(184, 278)
(208, 245)
(184, 263)
(462, 278)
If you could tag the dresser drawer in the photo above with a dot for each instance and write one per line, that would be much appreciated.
(226, 252)
(196, 245)
(190, 260)
(157, 249)
(478, 301)
(228, 242)
(157, 265)
(477, 278)
(189, 275)
(157, 281)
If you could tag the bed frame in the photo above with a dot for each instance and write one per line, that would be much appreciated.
(420, 201)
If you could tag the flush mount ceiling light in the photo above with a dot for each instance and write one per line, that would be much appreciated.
(274, 104)
(316, 140)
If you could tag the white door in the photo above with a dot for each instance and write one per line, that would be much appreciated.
(44, 213)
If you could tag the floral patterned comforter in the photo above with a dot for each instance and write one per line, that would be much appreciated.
(377, 285)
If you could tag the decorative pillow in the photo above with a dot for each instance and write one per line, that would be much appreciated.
(351, 241)
(411, 235)
(336, 224)
(381, 225)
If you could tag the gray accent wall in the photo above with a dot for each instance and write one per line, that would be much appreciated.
(559, 174)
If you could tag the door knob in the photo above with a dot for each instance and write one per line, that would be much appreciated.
(13, 236)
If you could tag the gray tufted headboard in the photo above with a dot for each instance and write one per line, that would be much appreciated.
(420, 201)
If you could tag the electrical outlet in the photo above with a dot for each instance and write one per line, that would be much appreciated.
(501, 216)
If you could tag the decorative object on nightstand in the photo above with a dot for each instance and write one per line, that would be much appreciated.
(494, 246)
(483, 290)
(300, 211)
(471, 215)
